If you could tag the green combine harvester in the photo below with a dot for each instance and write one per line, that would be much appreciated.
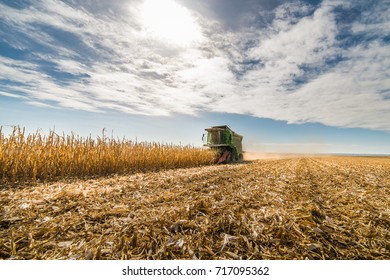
(226, 143)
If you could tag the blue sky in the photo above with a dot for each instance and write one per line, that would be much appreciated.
(290, 76)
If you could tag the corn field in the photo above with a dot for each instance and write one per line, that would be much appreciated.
(38, 157)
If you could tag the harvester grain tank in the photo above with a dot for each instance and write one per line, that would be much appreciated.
(226, 143)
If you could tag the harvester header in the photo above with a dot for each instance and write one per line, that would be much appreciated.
(226, 143)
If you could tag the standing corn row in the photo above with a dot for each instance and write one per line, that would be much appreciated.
(37, 157)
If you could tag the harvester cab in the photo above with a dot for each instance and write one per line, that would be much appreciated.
(226, 143)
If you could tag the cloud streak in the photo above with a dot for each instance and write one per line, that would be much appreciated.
(295, 62)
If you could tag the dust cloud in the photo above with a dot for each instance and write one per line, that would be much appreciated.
(257, 155)
(308, 148)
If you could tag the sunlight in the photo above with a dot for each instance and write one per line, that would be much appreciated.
(170, 22)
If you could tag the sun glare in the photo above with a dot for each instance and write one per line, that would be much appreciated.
(170, 22)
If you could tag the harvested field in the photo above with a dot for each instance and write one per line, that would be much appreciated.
(297, 208)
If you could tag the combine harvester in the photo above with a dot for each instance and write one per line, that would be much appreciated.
(226, 143)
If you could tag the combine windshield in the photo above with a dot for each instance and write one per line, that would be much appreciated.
(216, 137)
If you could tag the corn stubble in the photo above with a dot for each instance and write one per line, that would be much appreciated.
(296, 208)
(35, 157)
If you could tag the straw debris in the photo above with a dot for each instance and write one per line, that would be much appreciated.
(297, 208)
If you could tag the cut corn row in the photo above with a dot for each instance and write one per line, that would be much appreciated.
(36, 157)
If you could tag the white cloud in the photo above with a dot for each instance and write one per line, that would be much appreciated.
(41, 104)
(6, 94)
(350, 94)
(280, 71)
(375, 21)
(345, 95)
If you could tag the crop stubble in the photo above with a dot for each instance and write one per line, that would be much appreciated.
(296, 208)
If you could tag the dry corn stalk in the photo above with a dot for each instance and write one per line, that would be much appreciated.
(37, 157)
